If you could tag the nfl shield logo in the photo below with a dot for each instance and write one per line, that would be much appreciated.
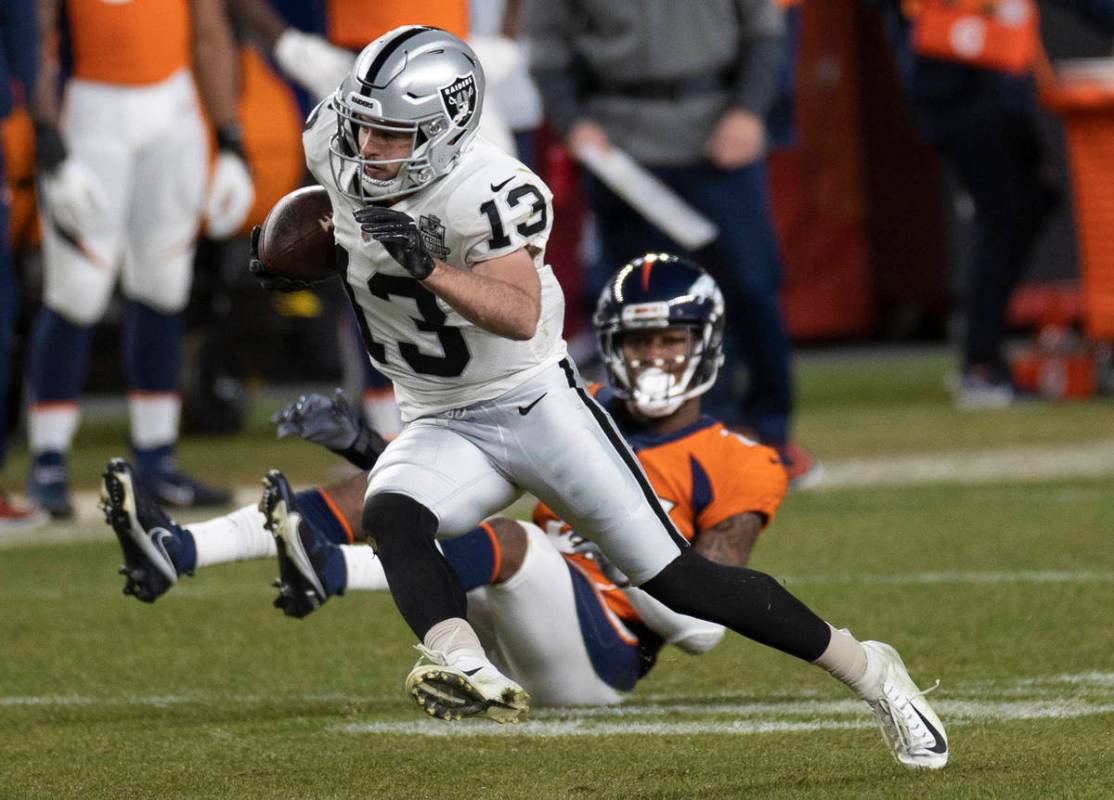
(459, 98)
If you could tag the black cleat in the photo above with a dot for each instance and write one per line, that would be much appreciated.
(143, 530)
(301, 581)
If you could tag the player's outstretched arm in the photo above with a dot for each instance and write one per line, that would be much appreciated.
(334, 424)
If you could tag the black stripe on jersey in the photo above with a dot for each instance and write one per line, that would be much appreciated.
(388, 50)
(620, 445)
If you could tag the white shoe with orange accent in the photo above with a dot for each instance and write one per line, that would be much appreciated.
(468, 686)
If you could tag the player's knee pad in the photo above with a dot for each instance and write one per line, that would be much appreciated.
(77, 290)
(396, 522)
(163, 284)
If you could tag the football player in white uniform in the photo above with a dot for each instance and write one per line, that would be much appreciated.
(443, 240)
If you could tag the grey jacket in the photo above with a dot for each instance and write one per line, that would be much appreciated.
(657, 75)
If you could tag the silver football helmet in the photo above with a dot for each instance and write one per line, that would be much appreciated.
(414, 80)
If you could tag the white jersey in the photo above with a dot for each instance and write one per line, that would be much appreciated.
(489, 205)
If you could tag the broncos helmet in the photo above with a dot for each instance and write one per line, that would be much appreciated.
(417, 80)
(655, 291)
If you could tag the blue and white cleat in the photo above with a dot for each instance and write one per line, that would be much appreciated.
(301, 557)
(465, 686)
(909, 726)
(145, 532)
(48, 486)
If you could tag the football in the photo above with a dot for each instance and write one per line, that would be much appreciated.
(296, 239)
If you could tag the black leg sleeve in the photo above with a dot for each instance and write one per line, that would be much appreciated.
(748, 602)
(424, 586)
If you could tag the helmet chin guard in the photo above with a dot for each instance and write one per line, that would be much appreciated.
(657, 393)
(416, 80)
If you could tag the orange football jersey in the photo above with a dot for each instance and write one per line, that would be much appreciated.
(135, 43)
(356, 23)
(703, 475)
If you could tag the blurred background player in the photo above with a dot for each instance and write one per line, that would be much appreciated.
(122, 175)
(19, 63)
(684, 89)
(976, 103)
(528, 583)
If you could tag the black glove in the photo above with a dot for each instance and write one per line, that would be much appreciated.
(50, 150)
(271, 281)
(397, 232)
(334, 424)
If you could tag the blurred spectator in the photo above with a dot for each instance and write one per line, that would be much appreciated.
(968, 71)
(122, 175)
(684, 89)
(19, 56)
(304, 56)
(496, 31)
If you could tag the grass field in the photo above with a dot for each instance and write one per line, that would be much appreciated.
(1001, 587)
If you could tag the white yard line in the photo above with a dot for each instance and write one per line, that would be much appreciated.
(1073, 696)
(576, 727)
(1009, 464)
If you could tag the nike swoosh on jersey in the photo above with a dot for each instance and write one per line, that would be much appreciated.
(524, 410)
(497, 186)
(941, 746)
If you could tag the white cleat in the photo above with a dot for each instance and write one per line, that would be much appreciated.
(909, 726)
(469, 686)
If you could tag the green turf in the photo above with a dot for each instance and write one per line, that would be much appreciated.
(1002, 591)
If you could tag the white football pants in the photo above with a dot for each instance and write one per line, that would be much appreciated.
(148, 149)
(549, 437)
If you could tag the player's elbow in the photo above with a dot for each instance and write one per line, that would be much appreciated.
(525, 325)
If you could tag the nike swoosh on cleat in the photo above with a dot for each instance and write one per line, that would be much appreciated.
(940, 746)
(471, 672)
(497, 186)
(524, 410)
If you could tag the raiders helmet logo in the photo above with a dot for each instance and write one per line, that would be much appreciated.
(459, 99)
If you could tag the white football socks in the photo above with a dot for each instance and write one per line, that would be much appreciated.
(844, 658)
(455, 638)
(154, 418)
(51, 426)
(239, 536)
(365, 570)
